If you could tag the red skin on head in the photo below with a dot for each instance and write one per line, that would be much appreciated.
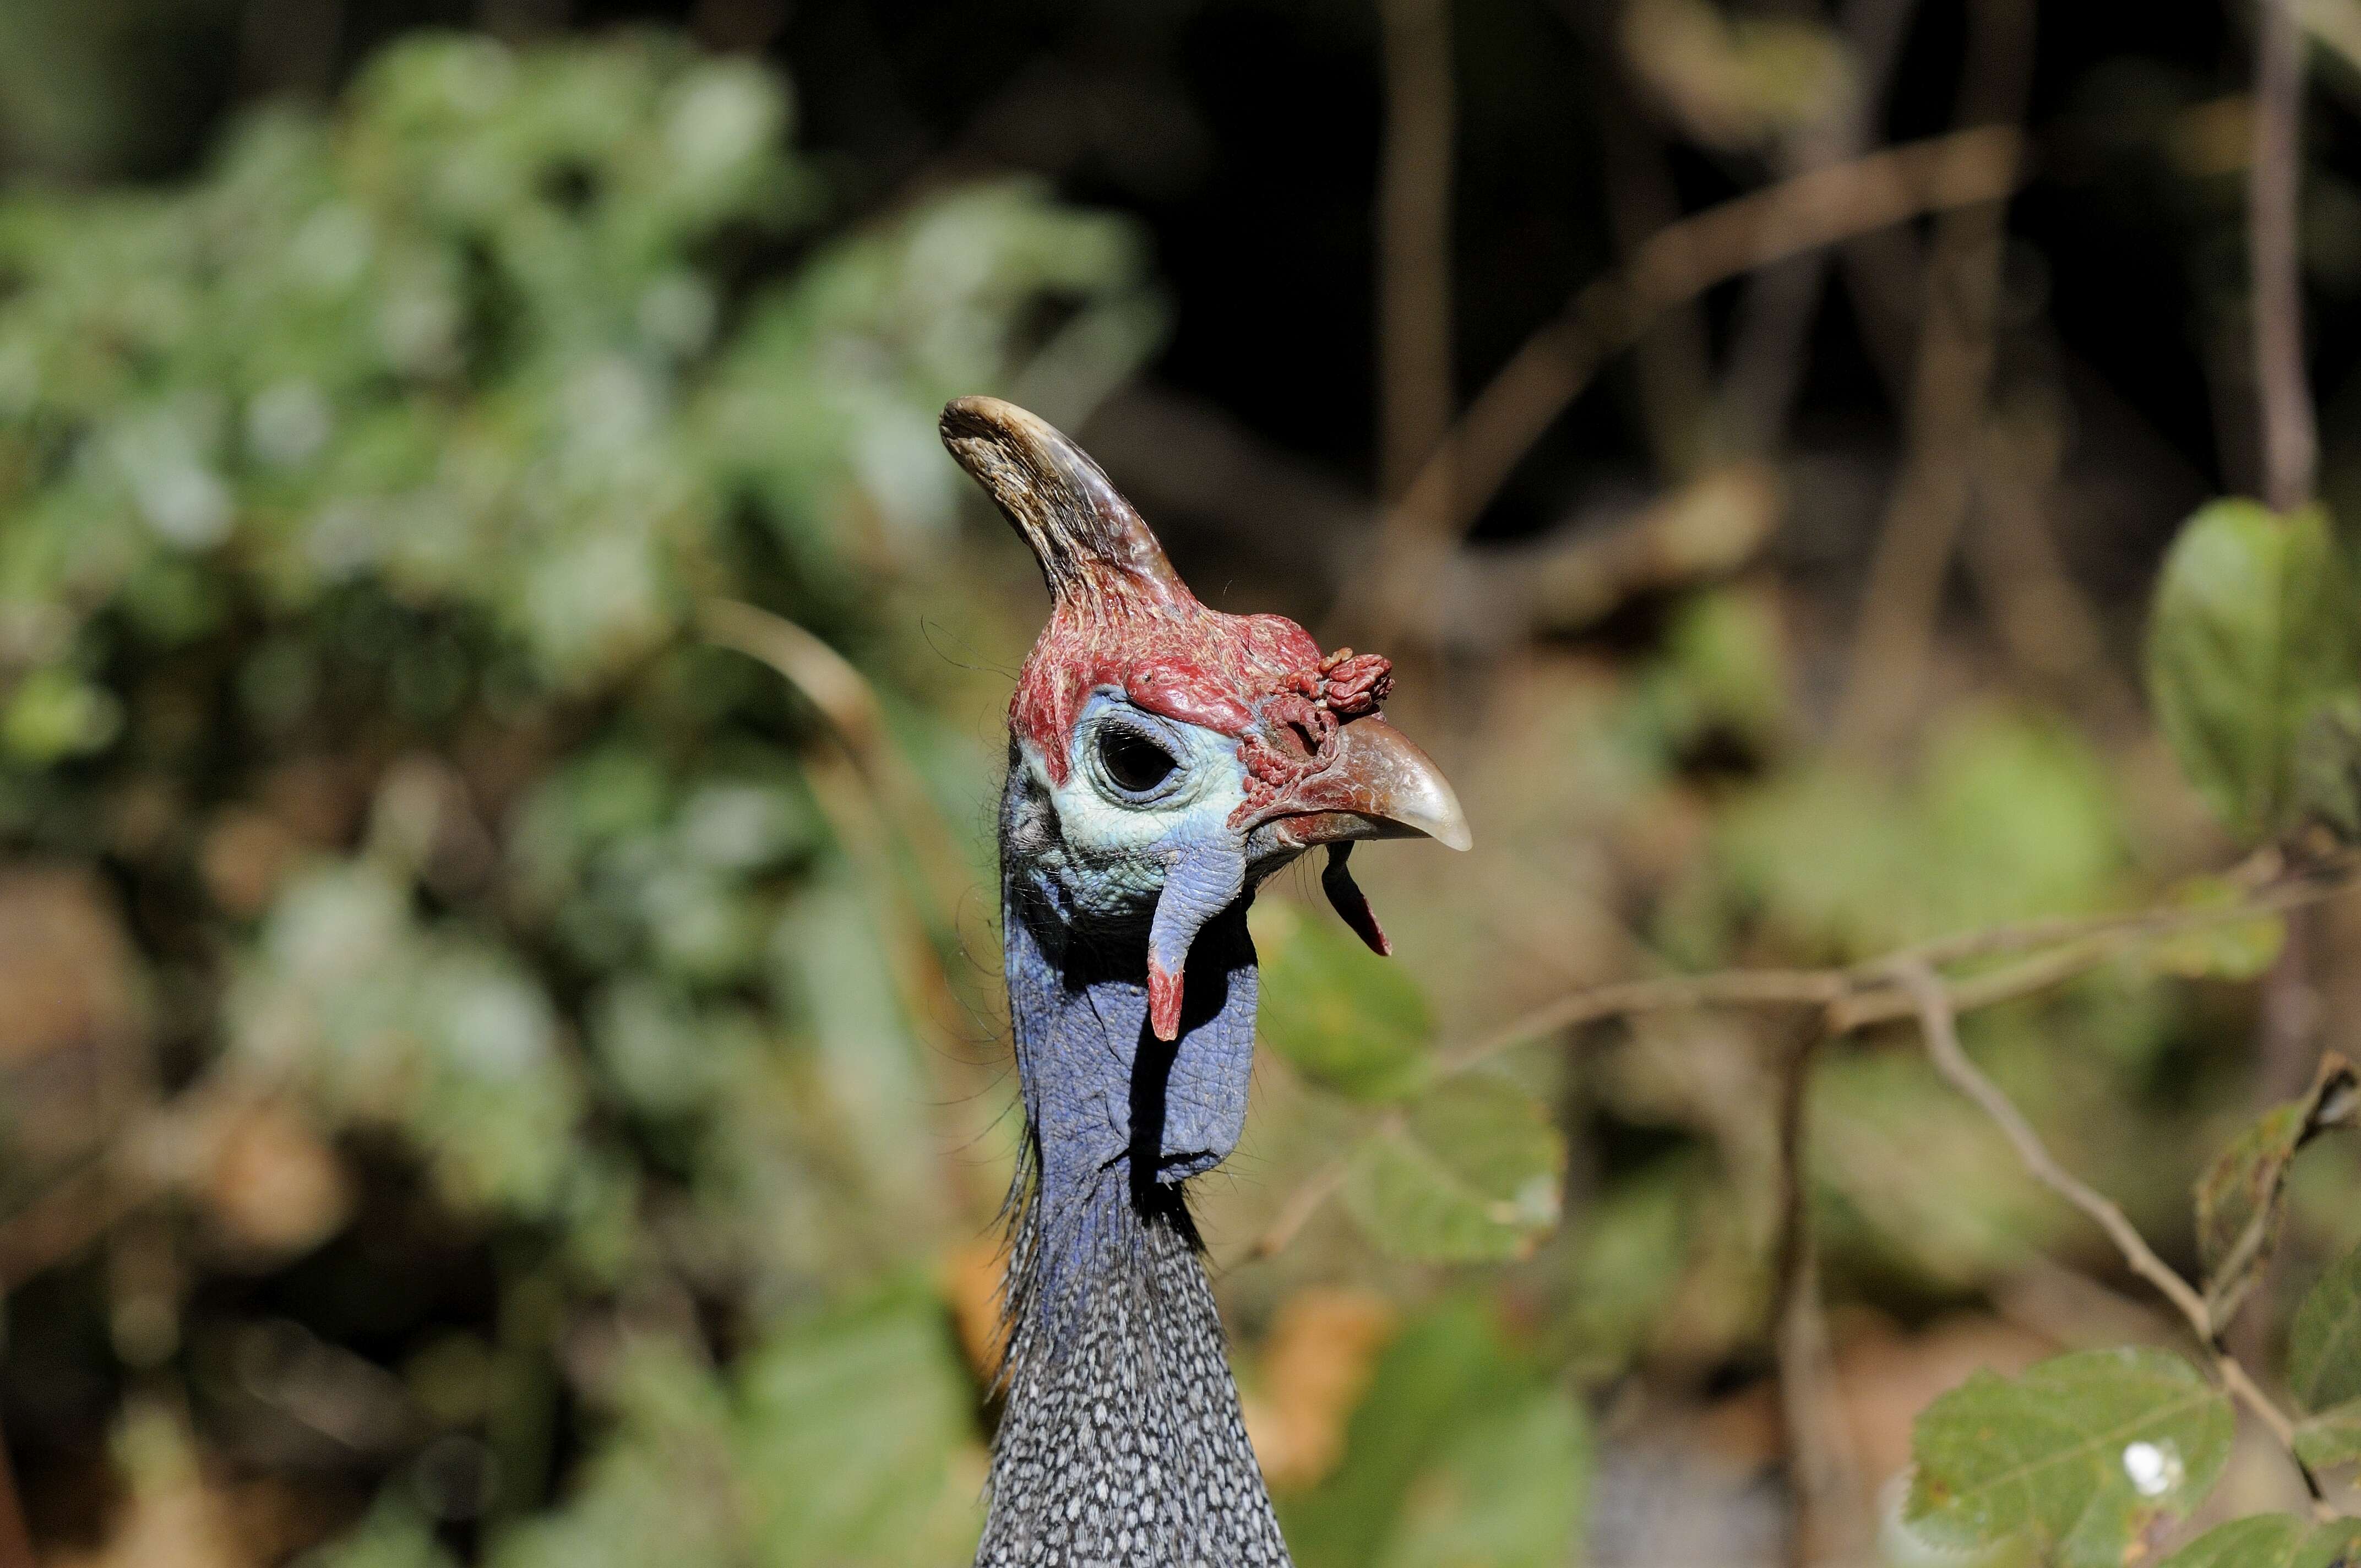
(1181, 661)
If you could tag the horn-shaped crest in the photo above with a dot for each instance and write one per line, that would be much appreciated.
(1092, 545)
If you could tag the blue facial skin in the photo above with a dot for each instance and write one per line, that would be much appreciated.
(1134, 852)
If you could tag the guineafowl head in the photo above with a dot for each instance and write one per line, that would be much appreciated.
(1164, 759)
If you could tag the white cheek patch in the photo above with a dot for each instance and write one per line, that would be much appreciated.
(1131, 846)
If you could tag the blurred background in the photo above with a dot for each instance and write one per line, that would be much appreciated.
(500, 1048)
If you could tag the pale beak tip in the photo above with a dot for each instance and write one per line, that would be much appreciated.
(1428, 803)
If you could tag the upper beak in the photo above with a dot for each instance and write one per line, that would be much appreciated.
(1380, 785)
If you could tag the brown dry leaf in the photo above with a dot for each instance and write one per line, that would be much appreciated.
(67, 975)
(244, 855)
(319, 799)
(1316, 1362)
(274, 1187)
(970, 1284)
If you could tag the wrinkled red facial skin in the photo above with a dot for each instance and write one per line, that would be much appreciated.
(1260, 678)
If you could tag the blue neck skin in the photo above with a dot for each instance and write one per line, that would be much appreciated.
(1115, 1116)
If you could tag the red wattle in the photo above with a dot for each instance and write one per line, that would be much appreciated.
(1163, 1002)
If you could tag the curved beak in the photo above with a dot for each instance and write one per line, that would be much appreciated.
(1381, 786)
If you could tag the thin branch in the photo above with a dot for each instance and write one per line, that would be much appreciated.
(2290, 434)
(1766, 361)
(1865, 994)
(1676, 264)
(845, 698)
(1938, 1024)
(2286, 1046)
(1414, 240)
(1672, 994)
(1902, 603)
(1824, 1470)
(1868, 994)
(1305, 1201)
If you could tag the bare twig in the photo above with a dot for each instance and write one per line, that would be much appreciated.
(2286, 1043)
(2290, 436)
(1872, 993)
(1831, 1510)
(1414, 242)
(1940, 1027)
(844, 697)
(1680, 262)
(1774, 315)
(1903, 598)
(1725, 988)
(1307, 1201)
(1865, 994)
(1937, 1020)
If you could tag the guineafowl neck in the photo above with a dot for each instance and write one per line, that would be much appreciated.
(1121, 1441)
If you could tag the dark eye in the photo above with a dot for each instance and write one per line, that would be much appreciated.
(1136, 763)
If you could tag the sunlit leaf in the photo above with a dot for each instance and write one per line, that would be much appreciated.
(2272, 1540)
(2076, 1457)
(2252, 641)
(1470, 1172)
(1336, 1010)
(1735, 80)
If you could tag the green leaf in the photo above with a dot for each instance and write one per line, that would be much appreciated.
(53, 714)
(1345, 1016)
(1460, 1453)
(1471, 1173)
(2238, 1207)
(2271, 1540)
(2077, 1457)
(1507, 1490)
(2337, 1544)
(2324, 1366)
(2325, 1357)
(2332, 1438)
(868, 1413)
(2252, 641)
(2328, 767)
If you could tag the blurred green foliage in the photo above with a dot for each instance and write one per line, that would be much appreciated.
(359, 497)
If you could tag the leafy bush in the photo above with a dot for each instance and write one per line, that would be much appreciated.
(359, 501)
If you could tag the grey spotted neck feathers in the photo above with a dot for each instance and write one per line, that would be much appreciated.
(1121, 1441)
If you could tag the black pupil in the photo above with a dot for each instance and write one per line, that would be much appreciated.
(1134, 763)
